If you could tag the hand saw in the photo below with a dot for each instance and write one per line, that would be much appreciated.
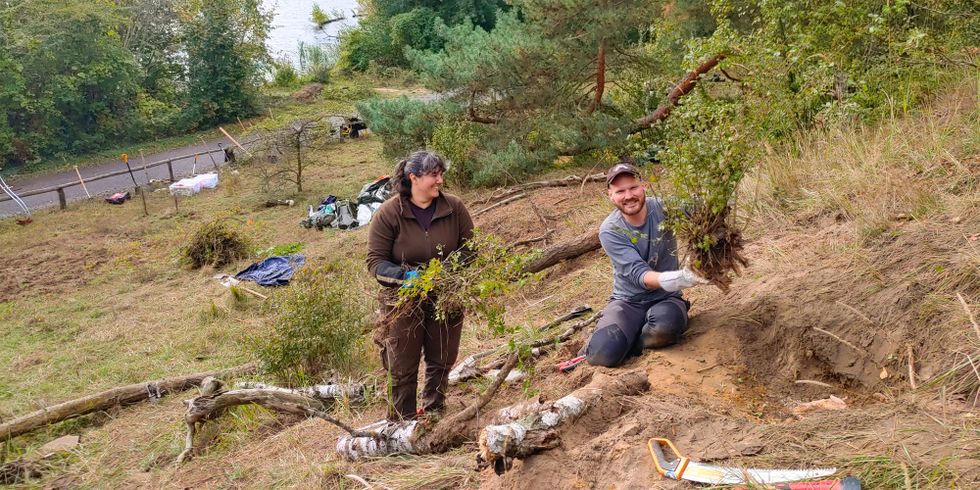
(683, 468)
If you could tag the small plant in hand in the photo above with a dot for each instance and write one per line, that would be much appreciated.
(318, 326)
(705, 157)
(216, 243)
(474, 280)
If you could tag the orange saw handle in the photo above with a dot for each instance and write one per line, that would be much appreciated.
(667, 468)
(848, 483)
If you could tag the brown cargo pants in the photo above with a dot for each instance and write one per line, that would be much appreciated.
(404, 341)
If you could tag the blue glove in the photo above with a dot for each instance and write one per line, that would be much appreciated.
(409, 276)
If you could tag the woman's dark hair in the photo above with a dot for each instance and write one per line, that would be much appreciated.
(417, 164)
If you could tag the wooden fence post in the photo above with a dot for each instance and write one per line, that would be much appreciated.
(170, 168)
(62, 201)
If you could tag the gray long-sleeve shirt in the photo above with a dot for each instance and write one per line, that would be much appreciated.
(636, 250)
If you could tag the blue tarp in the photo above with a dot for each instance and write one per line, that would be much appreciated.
(273, 271)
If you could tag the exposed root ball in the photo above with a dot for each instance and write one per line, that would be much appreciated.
(715, 249)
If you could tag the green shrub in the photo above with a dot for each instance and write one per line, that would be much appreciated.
(216, 243)
(369, 43)
(318, 325)
(282, 249)
(458, 141)
(286, 74)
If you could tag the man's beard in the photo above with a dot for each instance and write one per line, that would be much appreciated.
(639, 207)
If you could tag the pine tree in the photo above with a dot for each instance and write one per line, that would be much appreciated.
(538, 79)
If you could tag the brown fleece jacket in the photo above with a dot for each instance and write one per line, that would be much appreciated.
(397, 243)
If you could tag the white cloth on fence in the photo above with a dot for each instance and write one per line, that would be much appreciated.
(193, 185)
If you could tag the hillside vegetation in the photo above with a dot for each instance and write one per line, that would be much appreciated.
(835, 146)
(866, 232)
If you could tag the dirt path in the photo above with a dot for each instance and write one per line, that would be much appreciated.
(182, 168)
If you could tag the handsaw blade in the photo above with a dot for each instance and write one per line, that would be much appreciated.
(720, 475)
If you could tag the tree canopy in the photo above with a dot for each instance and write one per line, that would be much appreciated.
(77, 75)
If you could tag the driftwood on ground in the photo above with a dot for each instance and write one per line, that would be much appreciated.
(123, 395)
(571, 180)
(309, 402)
(539, 430)
(564, 251)
(411, 437)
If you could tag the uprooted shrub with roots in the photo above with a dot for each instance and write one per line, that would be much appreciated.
(713, 244)
(705, 157)
(216, 243)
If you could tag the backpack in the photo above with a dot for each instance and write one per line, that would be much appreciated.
(323, 216)
(375, 192)
(346, 215)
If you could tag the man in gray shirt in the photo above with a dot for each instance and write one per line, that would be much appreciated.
(646, 309)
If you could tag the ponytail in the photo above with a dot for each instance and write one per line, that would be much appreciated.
(402, 184)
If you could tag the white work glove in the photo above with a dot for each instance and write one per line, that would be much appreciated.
(672, 281)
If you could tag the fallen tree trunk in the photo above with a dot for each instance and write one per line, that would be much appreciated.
(564, 251)
(408, 436)
(673, 98)
(327, 392)
(123, 395)
(308, 402)
(539, 430)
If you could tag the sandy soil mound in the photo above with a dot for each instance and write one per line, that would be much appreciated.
(814, 316)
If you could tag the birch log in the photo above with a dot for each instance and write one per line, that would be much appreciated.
(123, 395)
(539, 430)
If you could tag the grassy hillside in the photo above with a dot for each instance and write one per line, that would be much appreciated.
(861, 239)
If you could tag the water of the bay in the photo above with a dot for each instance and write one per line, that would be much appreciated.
(293, 24)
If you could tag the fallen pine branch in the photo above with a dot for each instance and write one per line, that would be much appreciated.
(121, 396)
(563, 182)
(539, 430)
(467, 368)
(215, 401)
(500, 203)
(540, 347)
(564, 251)
(536, 239)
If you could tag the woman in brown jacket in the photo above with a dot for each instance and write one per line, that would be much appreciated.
(409, 229)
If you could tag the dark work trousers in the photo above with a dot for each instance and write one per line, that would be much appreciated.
(404, 342)
(626, 328)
